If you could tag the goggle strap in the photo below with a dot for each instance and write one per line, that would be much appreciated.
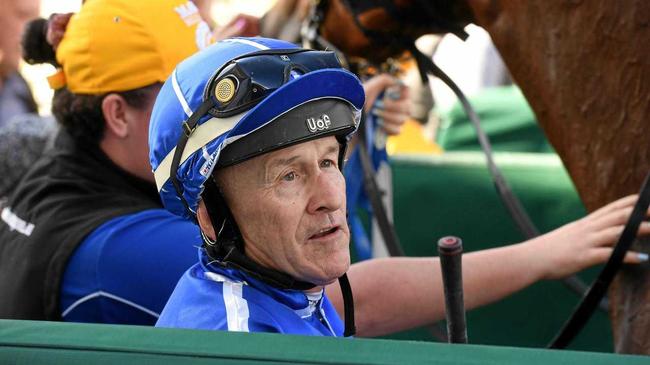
(226, 229)
(188, 128)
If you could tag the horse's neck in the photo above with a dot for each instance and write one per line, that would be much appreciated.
(582, 68)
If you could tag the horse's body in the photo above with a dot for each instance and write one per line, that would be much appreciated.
(584, 67)
(585, 70)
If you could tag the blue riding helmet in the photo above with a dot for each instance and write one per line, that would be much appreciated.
(234, 91)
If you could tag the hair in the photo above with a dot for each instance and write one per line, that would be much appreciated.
(34, 43)
(81, 114)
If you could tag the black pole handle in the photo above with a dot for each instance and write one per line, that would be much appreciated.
(450, 250)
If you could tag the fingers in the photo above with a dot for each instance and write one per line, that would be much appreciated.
(251, 26)
(375, 86)
(59, 20)
(612, 218)
(618, 217)
(302, 9)
(56, 28)
(242, 25)
(610, 235)
(627, 201)
(602, 254)
(635, 257)
(401, 105)
(234, 28)
(392, 122)
(394, 109)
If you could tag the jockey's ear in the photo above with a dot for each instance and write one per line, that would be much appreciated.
(204, 221)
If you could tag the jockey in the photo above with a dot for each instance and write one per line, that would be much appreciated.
(248, 104)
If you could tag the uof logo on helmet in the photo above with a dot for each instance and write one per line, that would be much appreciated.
(319, 124)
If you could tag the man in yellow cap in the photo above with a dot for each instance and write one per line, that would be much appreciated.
(75, 233)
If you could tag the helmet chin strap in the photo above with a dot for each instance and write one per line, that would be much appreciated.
(228, 251)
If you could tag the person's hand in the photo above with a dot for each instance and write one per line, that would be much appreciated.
(56, 26)
(588, 241)
(242, 25)
(394, 108)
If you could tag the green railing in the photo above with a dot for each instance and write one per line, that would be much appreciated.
(34, 343)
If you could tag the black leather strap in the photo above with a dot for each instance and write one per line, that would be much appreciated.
(348, 305)
(374, 195)
(586, 307)
(188, 127)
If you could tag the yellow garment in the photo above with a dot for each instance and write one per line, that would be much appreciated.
(118, 45)
(411, 140)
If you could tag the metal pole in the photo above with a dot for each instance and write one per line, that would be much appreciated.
(450, 250)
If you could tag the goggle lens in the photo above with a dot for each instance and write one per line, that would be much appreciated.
(246, 81)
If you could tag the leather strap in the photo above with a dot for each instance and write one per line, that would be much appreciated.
(586, 307)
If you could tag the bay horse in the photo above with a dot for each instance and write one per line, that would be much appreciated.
(583, 66)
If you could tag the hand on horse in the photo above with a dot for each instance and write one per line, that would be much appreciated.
(394, 108)
(587, 241)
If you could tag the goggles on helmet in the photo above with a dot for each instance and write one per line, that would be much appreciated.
(242, 83)
(247, 80)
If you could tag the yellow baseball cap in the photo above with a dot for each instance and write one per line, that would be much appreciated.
(119, 45)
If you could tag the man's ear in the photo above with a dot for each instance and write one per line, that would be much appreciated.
(114, 108)
(205, 222)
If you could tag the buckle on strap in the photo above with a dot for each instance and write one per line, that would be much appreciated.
(187, 129)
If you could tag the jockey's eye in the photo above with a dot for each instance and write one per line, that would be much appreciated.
(289, 176)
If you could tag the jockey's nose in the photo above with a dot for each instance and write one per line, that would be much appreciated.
(328, 192)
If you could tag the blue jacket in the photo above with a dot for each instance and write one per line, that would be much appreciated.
(125, 270)
(214, 298)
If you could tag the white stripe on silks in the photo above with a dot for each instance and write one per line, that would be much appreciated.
(100, 293)
(327, 322)
(246, 41)
(215, 277)
(179, 95)
(236, 307)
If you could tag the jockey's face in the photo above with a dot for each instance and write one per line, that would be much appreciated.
(290, 208)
